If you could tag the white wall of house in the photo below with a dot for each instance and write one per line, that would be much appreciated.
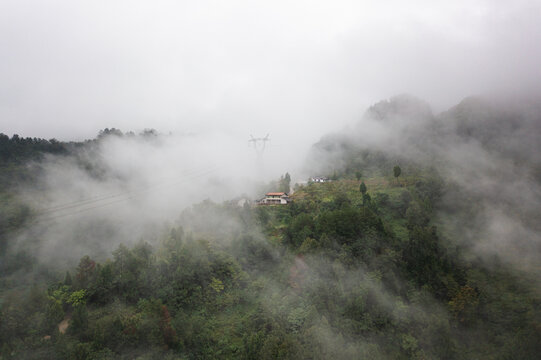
(274, 200)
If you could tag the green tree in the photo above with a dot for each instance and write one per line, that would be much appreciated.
(362, 188)
(397, 171)
(425, 259)
(101, 290)
(85, 271)
(358, 175)
(79, 319)
(127, 267)
(366, 199)
(464, 304)
(285, 183)
(67, 279)
(77, 298)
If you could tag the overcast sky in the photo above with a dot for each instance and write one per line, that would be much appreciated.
(294, 69)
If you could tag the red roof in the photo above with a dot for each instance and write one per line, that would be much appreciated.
(275, 194)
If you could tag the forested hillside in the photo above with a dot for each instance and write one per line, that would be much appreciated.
(424, 246)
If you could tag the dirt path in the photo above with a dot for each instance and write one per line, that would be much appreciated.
(63, 326)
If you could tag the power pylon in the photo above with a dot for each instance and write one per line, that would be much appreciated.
(259, 147)
(259, 144)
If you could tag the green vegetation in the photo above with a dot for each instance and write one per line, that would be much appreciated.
(330, 279)
(285, 183)
(396, 172)
(345, 271)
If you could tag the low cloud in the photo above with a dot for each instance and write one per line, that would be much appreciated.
(121, 188)
(484, 148)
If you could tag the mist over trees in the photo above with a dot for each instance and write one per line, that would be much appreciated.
(231, 180)
(434, 258)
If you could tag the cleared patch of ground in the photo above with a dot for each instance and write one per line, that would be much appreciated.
(63, 326)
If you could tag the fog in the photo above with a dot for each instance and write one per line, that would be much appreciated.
(320, 80)
(484, 149)
(121, 189)
(296, 70)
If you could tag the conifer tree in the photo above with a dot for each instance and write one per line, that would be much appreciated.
(397, 171)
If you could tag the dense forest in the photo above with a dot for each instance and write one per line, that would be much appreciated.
(424, 245)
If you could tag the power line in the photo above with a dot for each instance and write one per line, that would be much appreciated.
(130, 195)
(97, 198)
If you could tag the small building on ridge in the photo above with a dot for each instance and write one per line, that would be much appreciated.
(319, 179)
(274, 198)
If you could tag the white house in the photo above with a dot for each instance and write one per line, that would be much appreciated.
(319, 179)
(274, 198)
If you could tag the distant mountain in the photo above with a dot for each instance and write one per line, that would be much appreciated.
(510, 128)
(405, 129)
(406, 108)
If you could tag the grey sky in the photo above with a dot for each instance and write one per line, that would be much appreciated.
(295, 69)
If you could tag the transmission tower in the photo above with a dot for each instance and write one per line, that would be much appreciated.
(259, 144)
(259, 147)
